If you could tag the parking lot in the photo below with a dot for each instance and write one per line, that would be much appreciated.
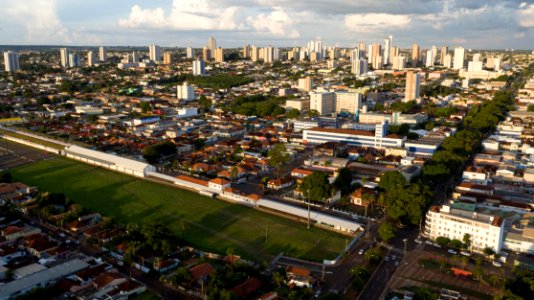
(13, 154)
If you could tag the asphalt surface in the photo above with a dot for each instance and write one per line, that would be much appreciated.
(13, 155)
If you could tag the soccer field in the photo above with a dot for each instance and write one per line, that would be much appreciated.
(207, 224)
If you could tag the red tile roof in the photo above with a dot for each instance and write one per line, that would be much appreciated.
(192, 180)
(201, 271)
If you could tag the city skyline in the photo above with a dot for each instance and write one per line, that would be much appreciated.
(233, 23)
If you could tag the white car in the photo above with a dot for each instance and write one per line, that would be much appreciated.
(452, 251)
(465, 253)
(497, 264)
(419, 241)
(360, 252)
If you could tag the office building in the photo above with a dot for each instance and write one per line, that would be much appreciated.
(485, 230)
(185, 92)
(254, 53)
(298, 103)
(91, 58)
(135, 57)
(199, 68)
(347, 102)
(359, 66)
(474, 66)
(11, 61)
(190, 53)
(415, 55)
(212, 44)
(64, 56)
(375, 58)
(459, 54)
(219, 55)
(154, 53)
(102, 55)
(412, 86)
(377, 139)
(167, 58)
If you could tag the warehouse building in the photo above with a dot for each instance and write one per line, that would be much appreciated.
(109, 161)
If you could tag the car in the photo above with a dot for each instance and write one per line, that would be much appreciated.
(452, 251)
(386, 258)
(318, 293)
(393, 257)
(360, 252)
(429, 242)
(396, 263)
(497, 264)
(419, 241)
(465, 253)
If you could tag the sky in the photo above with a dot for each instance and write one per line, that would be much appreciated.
(477, 24)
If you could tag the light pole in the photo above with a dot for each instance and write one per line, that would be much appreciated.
(309, 213)
(404, 240)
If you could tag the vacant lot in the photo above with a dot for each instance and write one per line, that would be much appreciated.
(207, 224)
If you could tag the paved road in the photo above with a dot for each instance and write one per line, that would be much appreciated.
(13, 154)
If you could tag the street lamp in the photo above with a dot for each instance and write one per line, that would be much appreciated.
(405, 240)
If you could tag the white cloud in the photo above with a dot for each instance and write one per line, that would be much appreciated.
(277, 23)
(184, 15)
(375, 22)
(40, 20)
(526, 15)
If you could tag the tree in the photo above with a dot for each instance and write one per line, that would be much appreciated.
(343, 181)
(443, 241)
(316, 187)
(456, 244)
(488, 251)
(467, 241)
(373, 255)
(278, 157)
(386, 231)
(293, 113)
(530, 107)
(390, 180)
(145, 107)
(205, 102)
(6, 177)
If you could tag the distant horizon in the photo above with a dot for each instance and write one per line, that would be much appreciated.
(475, 24)
(451, 48)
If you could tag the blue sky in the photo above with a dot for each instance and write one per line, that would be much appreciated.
(490, 24)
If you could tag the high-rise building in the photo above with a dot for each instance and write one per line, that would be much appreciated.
(442, 54)
(154, 53)
(348, 102)
(412, 86)
(374, 54)
(212, 44)
(305, 84)
(206, 53)
(167, 58)
(64, 56)
(415, 55)
(91, 58)
(11, 61)
(327, 102)
(246, 51)
(190, 53)
(74, 60)
(447, 63)
(199, 68)
(474, 66)
(429, 60)
(361, 46)
(387, 49)
(219, 55)
(434, 54)
(102, 55)
(476, 57)
(359, 66)
(185, 92)
(135, 57)
(459, 55)
(254, 53)
(399, 63)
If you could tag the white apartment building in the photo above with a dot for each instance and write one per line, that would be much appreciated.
(327, 102)
(11, 61)
(484, 230)
(185, 92)
(459, 55)
(300, 104)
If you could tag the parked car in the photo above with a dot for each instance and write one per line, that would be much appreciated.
(361, 251)
(452, 251)
(497, 264)
(386, 258)
(465, 253)
(419, 241)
